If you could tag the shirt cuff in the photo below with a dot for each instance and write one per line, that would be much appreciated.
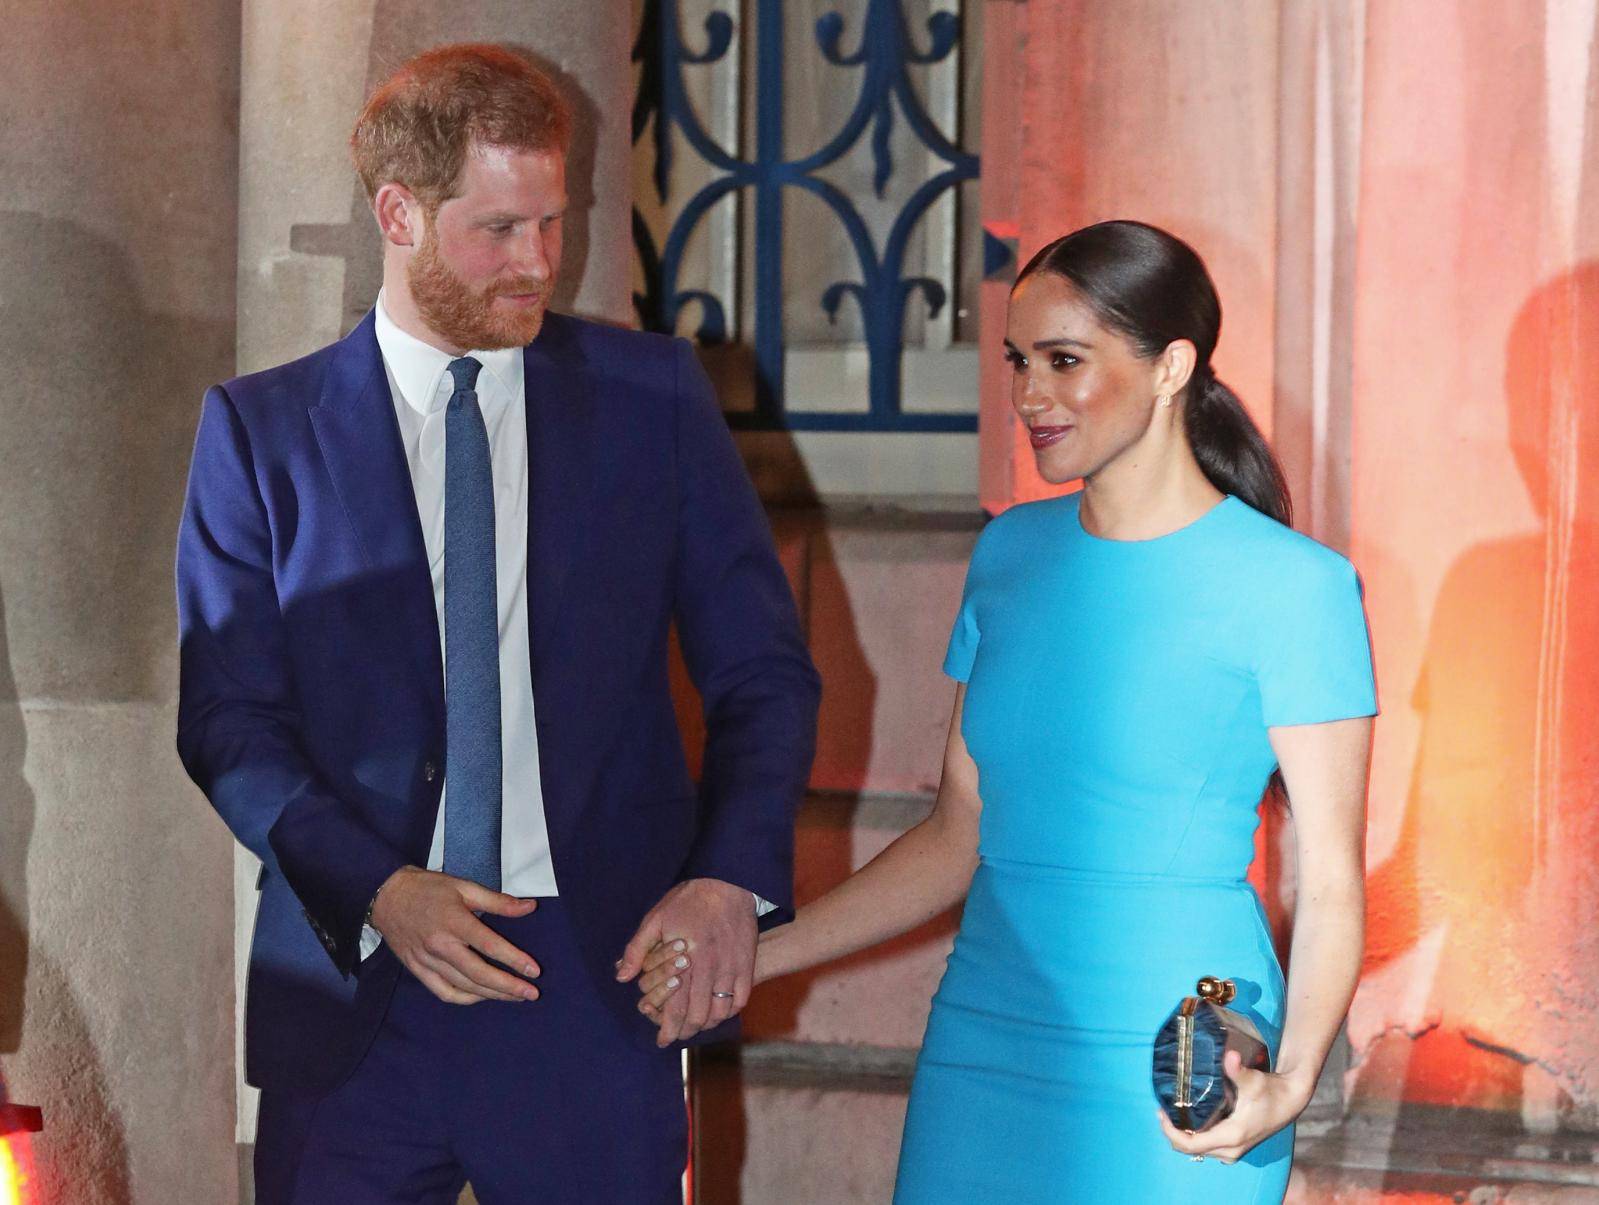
(762, 907)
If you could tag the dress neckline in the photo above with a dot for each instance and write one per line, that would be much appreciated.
(1077, 521)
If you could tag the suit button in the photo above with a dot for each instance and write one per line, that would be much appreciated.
(430, 771)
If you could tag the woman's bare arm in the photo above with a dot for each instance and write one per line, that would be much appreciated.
(1325, 767)
(925, 871)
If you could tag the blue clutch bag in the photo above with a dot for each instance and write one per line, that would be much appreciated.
(1189, 1081)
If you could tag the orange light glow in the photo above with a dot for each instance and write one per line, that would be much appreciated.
(16, 1170)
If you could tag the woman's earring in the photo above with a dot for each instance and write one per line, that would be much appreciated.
(1164, 400)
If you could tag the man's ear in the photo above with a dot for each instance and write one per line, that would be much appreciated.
(399, 214)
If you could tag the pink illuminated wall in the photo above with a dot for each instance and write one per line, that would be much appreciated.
(1400, 204)
(1087, 118)
(1474, 452)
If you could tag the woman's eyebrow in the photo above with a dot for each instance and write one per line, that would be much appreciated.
(1045, 344)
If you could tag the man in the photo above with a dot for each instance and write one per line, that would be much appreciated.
(425, 581)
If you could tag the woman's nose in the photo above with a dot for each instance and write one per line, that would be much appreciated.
(1027, 400)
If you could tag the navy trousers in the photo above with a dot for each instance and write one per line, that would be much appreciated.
(538, 1101)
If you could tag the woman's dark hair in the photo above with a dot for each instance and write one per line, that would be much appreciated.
(1152, 288)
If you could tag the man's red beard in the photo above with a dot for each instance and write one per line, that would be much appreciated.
(467, 317)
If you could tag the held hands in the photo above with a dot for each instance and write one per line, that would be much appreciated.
(1266, 1103)
(666, 967)
(427, 919)
(701, 937)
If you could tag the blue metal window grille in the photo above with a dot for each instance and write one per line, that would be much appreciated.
(884, 56)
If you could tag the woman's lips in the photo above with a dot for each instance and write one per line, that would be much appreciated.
(1043, 437)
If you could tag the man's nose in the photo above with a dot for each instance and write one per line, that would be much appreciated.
(532, 257)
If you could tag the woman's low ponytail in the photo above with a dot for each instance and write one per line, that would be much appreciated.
(1230, 449)
(1153, 288)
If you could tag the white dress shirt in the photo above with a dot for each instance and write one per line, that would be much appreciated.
(420, 384)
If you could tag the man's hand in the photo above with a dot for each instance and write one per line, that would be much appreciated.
(427, 919)
(715, 921)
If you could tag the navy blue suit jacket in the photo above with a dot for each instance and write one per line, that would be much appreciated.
(311, 706)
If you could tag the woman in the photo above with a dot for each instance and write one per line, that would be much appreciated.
(1135, 661)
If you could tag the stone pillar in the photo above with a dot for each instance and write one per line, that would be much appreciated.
(309, 264)
(117, 211)
(309, 261)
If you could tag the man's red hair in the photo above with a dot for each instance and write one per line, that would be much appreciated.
(418, 126)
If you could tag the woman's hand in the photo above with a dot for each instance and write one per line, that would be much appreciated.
(1266, 1103)
(665, 970)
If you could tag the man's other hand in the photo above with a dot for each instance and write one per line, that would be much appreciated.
(428, 920)
(716, 923)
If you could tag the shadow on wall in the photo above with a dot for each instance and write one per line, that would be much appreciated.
(1491, 891)
(87, 521)
(399, 31)
(1485, 912)
(101, 395)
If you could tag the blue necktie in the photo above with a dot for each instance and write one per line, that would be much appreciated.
(473, 753)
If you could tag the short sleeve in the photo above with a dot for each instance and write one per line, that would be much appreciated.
(1315, 661)
(962, 651)
(963, 641)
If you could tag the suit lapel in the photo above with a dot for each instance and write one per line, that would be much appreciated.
(560, 437)
(360, 441)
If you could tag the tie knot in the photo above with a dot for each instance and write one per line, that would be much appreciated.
(465, 372)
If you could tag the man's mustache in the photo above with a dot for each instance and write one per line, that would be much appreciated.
(520, 287)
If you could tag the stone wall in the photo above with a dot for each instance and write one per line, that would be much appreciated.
(116, 309)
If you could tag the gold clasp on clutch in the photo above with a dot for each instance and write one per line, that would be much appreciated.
(1213, 991)
(1185, 1055)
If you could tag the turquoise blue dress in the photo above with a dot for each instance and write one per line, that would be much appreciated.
(1118, 699)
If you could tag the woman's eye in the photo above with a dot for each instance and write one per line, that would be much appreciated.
(1016, 360)
(1060, 360)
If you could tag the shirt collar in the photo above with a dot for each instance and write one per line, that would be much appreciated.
(419, 368)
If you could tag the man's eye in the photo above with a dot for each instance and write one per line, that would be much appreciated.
(500, 229)
(550, 221)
